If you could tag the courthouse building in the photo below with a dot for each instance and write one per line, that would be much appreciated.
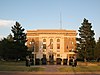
(52, 44)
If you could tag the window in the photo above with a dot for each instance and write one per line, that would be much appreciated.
(58, 46)
(58, 55)
(58, 43)
(67, 47)
(44, 43)
(44, 40)
(44, 46)
(58, 40)
(51, 40)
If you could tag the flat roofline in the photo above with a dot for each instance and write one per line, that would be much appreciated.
(60, 30)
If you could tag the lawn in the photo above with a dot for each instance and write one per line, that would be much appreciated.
(17, 66)
(20, 66)
(80, 69)
(91, 67)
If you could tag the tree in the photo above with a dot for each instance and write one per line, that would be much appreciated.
(9, 49)
(86, 41)
(6, 49)
(14, 47)
(19, 35)
(10, 37)
(19, 40)
(97, 50)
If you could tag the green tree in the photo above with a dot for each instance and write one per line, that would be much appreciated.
(14, 47)
(97, 50)
(19, 35)
(1, 49)
(6, 49)
(10, 37)
(86, 41)
(19, 40)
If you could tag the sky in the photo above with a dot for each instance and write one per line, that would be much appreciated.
(47, 14)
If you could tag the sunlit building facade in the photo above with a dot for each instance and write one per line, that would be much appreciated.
(52, 44)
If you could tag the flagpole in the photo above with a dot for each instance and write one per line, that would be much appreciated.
(60, 20)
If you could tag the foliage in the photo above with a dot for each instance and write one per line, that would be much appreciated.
(19, 35)
(19, 40)
(97, 50)
(14, 47)
(86, 41)
(6, 49)
(10, 37)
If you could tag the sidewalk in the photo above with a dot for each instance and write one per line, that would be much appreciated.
(51, 68)
(47, 73)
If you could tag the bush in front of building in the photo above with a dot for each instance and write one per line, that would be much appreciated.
(70, 61)
(44, 61)
(58, 61)
(37, 61)
(65, 61)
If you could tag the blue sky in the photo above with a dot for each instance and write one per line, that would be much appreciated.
(45, 14)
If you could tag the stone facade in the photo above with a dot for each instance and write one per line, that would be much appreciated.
(53, 44)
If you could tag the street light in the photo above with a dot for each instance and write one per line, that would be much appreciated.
(33, 50)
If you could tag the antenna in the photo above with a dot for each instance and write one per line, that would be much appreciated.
(60, 20)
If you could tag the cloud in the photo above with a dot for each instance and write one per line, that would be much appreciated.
(6, 23)
(5, 27)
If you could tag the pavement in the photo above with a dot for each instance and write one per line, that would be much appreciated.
(48, 73)
(51, 68)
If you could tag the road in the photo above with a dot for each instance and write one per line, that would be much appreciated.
(45, 73)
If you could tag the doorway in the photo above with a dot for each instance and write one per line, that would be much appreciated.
(51, 59)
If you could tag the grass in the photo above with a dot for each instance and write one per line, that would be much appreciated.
(17, 66)
(91, 67)
(20, 66)
(80, 69)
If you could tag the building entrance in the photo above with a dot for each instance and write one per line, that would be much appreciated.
(51, 59)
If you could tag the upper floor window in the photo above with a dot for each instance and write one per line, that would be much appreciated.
(58, 46)
(44, 46)
(51, 40)
(58, 40)
(58, 43)
(67, 47)
(44, 40)
(44, 43)
(58, 55)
